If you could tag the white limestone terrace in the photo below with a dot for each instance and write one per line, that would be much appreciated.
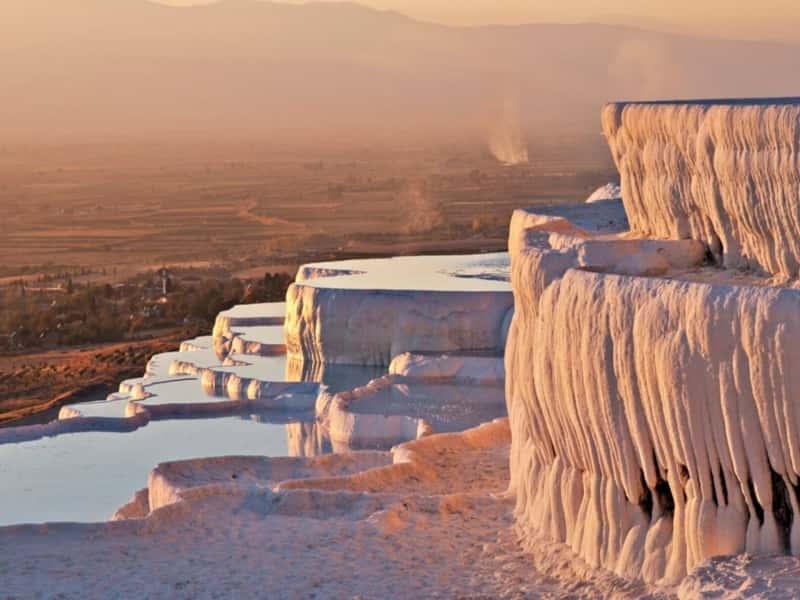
(163, 365)
(205, 342)
(250, 329)
(649, 373)
(249, 315)
(725, 172)
(395, 408)
(240, 377)
(472, 368)
(366, 312)
(609, 191)
(168, 414)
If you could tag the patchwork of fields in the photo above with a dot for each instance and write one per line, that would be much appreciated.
(128, 207)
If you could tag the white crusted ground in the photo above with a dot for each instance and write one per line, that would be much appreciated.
(435, 524)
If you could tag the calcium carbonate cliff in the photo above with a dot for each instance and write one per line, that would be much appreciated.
(724, 172)
(651, 383)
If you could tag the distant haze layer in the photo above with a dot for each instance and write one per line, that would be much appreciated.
(747, 19)
(131, 66)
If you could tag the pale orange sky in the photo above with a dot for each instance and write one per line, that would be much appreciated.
(79, 66)
(747, 19)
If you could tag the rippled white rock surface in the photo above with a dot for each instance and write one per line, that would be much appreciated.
(724, 172)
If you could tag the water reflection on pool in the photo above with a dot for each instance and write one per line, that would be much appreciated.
(85, 477)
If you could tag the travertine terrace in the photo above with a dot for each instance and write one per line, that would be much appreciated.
(368, 312)
(319, 480)
(239, 382)
(653, 427)
(722, 171)
(650, 372)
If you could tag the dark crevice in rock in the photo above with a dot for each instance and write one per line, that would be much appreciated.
(714, 498)
(782, 510)
(724, 484)
(664, 497)
(646, 501)
(716, 250)
(684, 471)
(756, 506)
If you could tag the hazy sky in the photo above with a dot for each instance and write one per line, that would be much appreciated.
(751, 19)
(117, 66)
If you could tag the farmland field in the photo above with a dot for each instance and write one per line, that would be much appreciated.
(133, 206)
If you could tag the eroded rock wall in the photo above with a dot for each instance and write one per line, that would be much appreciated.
(654, 422)
(724, 172)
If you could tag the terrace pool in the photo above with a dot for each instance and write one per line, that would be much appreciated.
(87, 476)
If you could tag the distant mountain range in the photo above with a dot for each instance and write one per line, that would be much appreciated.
(245, 65)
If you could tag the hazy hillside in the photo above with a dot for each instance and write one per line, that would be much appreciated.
(128, 66)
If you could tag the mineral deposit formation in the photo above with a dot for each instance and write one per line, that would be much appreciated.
(651, 373)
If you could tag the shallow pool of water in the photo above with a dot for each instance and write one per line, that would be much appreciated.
(86, 477)
(264, 334)
(268, 310)
(472, 273)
